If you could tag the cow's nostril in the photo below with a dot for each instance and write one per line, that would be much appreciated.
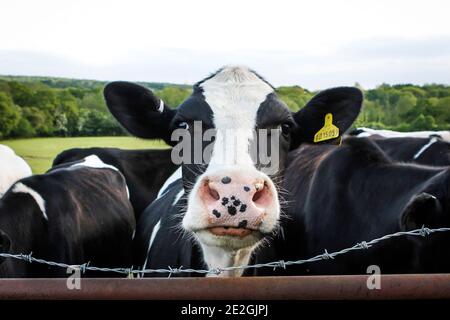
(261, 194)
(257, 195)
(213, 193)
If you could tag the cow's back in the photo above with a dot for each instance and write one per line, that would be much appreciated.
(428, 151)
(12, 168)
(71, 215)
(145, 170)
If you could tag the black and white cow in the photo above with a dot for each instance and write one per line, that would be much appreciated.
(367, 132)
(343, 195)
(145, 171)
(12, 168)
(228, 205)
(74, 214)
(430, 150)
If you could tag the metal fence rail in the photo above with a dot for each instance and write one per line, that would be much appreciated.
(422, 232)
(435, 286)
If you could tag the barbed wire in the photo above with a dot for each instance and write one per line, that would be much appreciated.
(363, 245)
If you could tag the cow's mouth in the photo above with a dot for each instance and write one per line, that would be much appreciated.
(231, 231)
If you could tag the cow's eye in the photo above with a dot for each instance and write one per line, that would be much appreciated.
(183, 125)
(285, 129)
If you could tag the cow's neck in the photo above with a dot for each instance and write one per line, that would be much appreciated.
(216, 257)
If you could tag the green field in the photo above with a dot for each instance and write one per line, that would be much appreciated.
(40, 152)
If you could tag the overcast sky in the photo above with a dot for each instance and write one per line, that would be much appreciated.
(314, 43)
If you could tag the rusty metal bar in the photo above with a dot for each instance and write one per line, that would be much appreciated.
(436, 286)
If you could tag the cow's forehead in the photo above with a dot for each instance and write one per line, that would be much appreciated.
(230, 97)
(235, 76)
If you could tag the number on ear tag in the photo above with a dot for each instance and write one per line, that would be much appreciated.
(329, 130)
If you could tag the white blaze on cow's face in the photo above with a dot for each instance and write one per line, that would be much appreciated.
(232, 204)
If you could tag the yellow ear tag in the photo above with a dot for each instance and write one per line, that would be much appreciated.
(329, 130)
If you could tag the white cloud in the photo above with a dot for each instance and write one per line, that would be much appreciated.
(311, 43)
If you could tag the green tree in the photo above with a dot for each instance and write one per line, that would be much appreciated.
(23, 129)
(9, 115)
(173, 96)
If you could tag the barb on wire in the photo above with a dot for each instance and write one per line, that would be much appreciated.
(363, 245)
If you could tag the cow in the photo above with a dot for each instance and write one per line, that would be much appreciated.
(74, 214)
(367, 132)
(12, 168)
(225, 206)
(145, 171)
(431, 151)
(344, 195)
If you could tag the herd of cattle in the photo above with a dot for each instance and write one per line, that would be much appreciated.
(122, 208)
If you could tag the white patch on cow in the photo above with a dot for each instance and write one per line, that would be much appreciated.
(178, 197)
(234, 95)
(161, 106)
(150, 242)
(425, 147)
(133, 234)
(6, 150)
(12, 168)
(94, 161)
(445, 135)
(21, 188)
(216, 257)
(175, 176)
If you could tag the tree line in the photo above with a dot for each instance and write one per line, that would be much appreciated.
(46, 107)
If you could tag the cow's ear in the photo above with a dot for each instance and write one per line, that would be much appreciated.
(423, 209)
(327, 115)
(139, 110)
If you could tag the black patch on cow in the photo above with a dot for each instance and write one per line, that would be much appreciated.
(135, 107)
(216, 213)
(225, 200)
(232, 210)
(356, 132)
(226, 180)
(242, 224)
(366, 150)
(233, 197)
(246, 189)
(78, 193)
(135, 165)
(243, 208)
(236, 202)
(273, 111)
(405, 149)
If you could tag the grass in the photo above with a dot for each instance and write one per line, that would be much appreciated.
(40, 152)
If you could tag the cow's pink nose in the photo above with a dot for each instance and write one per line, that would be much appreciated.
(235, 206)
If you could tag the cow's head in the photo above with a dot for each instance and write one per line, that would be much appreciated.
(232, 201)
(430, 207)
